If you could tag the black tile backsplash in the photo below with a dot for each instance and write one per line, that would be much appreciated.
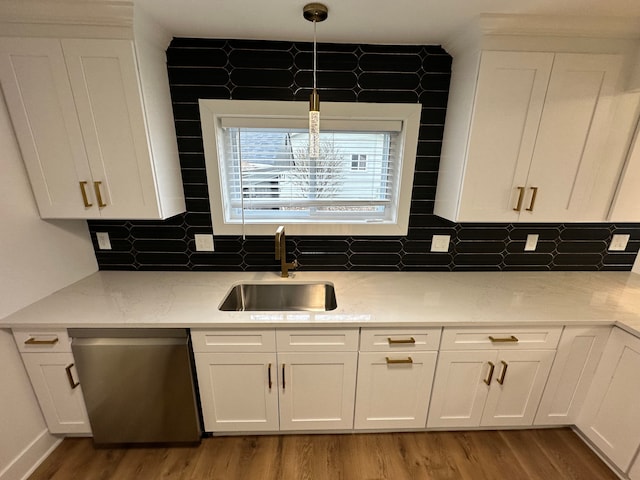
(244, 69)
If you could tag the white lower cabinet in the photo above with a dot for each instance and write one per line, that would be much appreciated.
(610, 417)
(579, 352)
(394, 389)
(317, 390)
(246, 384)
(238, 391)
(490, 387)
(395, 374)
(46, 355)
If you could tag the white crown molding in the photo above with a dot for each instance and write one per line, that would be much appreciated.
(560, 26)
(108, 13)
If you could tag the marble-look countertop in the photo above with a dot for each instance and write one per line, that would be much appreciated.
(374, 299)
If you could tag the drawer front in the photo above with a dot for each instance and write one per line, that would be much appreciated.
(500, 338)
(306, 340)
(233, 340)
(42, 340)
(399, 339)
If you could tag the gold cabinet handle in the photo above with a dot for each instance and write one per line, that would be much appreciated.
(503, 372)
(520, 199)
(533, 199)
(511, 339)
(33, 341)
(269, 376)
(72, 382)
(399, 360)
(490, 374)
(403, 340)
(96, 186)
(85, 199)
(283, 381)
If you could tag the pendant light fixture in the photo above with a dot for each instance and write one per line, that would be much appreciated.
(314, 12)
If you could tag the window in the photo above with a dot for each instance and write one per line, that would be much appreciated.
(358, 163)
(260, 175)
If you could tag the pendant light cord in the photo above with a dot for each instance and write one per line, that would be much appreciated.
(314, 54)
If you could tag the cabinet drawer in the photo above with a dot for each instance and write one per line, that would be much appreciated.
(306, 340)
(405, 339)
(233, 340)
(502, 338)
(42, 340)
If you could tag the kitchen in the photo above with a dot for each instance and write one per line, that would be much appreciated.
(59, 253)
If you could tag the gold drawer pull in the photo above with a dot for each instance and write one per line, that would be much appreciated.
(85, 199)
(503, 372)
(33, 341)
(403, 340)
(96, 186)
(399, 360)
(533, 199)
(490, 375)
(511, 339)
(72, 383)
(520, 199)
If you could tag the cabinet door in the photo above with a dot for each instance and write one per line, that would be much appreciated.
(508, 105)
(576, 360)
(517, 386)
(391, 393)
(238, 391)
(573, 129)
(625, 205)
(610, 417)
(317, 390)
(38, 95)
(460, 389)
(105, 85)
(54, 381)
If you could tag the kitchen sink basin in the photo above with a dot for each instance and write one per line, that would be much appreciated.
(314, 297)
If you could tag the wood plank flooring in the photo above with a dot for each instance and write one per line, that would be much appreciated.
(554, 454)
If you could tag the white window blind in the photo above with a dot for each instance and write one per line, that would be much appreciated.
(260, 173)
(268, 175)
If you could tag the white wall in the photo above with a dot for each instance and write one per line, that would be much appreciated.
(36, 259)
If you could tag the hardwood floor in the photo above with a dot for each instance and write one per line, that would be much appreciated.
(554, 454)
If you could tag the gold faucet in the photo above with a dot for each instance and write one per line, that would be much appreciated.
(281, 253)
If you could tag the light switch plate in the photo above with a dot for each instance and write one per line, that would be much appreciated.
(103, 240)
(440, 243)
(204, 242)
(532, 242)
(619, 242)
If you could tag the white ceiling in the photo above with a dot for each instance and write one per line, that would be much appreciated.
(353, 21)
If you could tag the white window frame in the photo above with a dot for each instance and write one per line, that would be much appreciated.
(212, 112)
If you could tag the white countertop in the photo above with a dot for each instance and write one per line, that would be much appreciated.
(191, 299)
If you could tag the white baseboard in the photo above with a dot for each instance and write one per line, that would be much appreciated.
(31, 457)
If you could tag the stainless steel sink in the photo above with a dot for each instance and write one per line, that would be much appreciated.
(314, 297)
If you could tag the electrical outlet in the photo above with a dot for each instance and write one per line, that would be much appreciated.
(103, 240)
(532, 242)
(440, 243)
(204, 242)
(619, 242)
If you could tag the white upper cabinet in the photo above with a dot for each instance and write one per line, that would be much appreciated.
(78, 110)
(526, 144)
(626, 205)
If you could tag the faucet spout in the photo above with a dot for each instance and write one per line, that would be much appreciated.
(281, 253)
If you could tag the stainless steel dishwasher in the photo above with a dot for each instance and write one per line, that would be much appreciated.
(138, 384)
